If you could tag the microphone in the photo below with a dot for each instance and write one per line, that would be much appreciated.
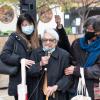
(46, 53)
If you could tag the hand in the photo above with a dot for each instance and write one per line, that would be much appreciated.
(51, 90)
(28, 63)
(69, 70)
(57, 20)
(44, 60)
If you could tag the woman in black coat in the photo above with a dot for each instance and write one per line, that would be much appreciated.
(18, 46)
(86, 54)
(55, 60)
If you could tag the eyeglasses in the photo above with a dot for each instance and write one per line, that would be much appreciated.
(50, 40)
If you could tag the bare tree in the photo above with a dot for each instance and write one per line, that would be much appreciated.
(83, 7)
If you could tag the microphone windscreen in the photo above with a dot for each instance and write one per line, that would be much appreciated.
(46, 53)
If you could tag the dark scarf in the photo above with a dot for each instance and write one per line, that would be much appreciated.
(93, 49)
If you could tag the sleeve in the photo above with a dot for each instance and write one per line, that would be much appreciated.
(63, 42)
(8, 54)
(93, 72)
(76, 58)
(35, 69)
(65, 82)
(74, 50)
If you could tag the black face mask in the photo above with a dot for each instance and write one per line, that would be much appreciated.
(89, 35)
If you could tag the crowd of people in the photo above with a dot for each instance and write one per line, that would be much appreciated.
(52, 64)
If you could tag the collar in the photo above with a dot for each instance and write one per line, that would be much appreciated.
(20, 40)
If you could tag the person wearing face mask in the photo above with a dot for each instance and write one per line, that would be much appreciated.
(22, 42)
(86, 54)
(88, 29)
(54, 83)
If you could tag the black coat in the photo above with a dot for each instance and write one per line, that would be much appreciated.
(91, 74)
(11, 57)
(58, 61)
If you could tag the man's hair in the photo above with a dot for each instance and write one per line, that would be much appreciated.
(89, 21)
(52, 32)
(96, 24)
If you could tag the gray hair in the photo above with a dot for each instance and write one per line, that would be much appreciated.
(96, 24)
(52, 32)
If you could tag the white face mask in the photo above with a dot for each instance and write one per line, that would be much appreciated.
(27, 30)
(49, 50)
